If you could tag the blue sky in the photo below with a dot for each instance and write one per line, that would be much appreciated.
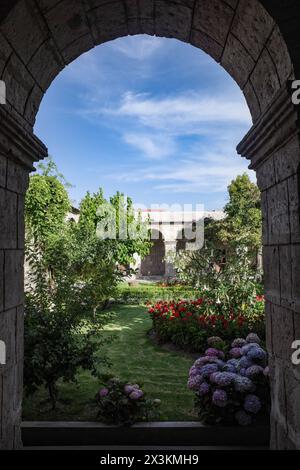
(154, 118)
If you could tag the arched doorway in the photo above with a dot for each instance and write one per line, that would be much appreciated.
(153, 265)
(259, 50)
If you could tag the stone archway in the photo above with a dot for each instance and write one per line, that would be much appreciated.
(257, 43)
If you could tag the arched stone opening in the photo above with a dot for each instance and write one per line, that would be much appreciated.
(153, 265)
(260, 50)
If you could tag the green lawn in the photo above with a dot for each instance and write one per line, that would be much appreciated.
(135, 358)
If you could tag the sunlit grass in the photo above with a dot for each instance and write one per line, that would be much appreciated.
(133, 357)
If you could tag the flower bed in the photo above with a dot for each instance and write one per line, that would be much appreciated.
(232, 390)
(188, 324)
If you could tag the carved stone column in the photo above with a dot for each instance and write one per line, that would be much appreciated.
(18, 150)
(273, 147)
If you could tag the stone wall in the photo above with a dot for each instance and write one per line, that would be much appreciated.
(38, 38)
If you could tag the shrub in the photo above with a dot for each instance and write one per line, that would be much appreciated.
(124, 403)
(232, 391)
(143, 294)
(188, 324)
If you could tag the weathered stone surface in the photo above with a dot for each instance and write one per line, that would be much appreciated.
(213, 18)
(266, 177)
(173, 20)
(7, 331)
(285, 259)
(67, 22)
(280, 55)
(271, 273)
(1, 283)
(278, 214)
(282, 332)
(14, 282)
(292, 383)
(287, 159)
(3, 166)
(33, 104)
(253, 37)
(17, 178)
(265, 222)
(108, 23)
(46, 64)
(19, 83)
(21, 222)
(5, 52)
(25, 40)
(8, 212)
(294, 204)
(295, 254)
(265, 80)
(237, 61)
(207, 44)
(252, 101)
(83, 44)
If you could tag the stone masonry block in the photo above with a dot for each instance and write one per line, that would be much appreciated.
(207, 44)
(67, 22)
(252, 101)
(266, 174)
(271, 273)
(7, 329)
(14, 279)
(265, 80)
(108, 22)
(278, 214)
(8, 219)
(17, 178)
(1, 281)
(5, 52)
(213, 18)
(46, 64)
(3, 166)
(237, 61)
(287, 159)
(294, 207)
(286, 290)
(173, 20)
(254, 37)
(19, 83)
(28, 30)
(282, 332)
(295, 255)
(280, 55)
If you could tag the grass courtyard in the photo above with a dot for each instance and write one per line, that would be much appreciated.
(133, 357)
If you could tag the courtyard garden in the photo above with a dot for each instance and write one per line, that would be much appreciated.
(100, 347)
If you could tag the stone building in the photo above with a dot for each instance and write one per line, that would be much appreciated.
(258, 43)
(171, 231)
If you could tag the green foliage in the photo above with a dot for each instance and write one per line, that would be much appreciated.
(46, 205)
(58, 340)
(123, 403)
(243, 223)
(144, 293)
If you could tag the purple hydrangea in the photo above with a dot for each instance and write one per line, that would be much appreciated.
(236, 353)
(194, 371)
(213, 352)
(209, 369)
(253, 338)
(214, 341)
(223, 379)
(243, 384)
(195, 382)
(238, 343)
(136, 394)
(229, 368)
(245, 363)
(243, 372)
(128, 389)
(248, 347)
(252, 404)
(103, 392)
(220, 398)
(202, 361)
(267, 372)
(257, 354)
(204, 388)
(254, 371)
(243, 418)
(233, 362)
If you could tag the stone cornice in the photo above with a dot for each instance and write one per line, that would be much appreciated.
(17, 143)
(274, 128)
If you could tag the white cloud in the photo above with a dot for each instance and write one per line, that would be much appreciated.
(151, 145)
(140, 50)
(181, 111)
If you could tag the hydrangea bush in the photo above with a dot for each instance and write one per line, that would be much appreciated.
(233, 389)
(125, 403)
